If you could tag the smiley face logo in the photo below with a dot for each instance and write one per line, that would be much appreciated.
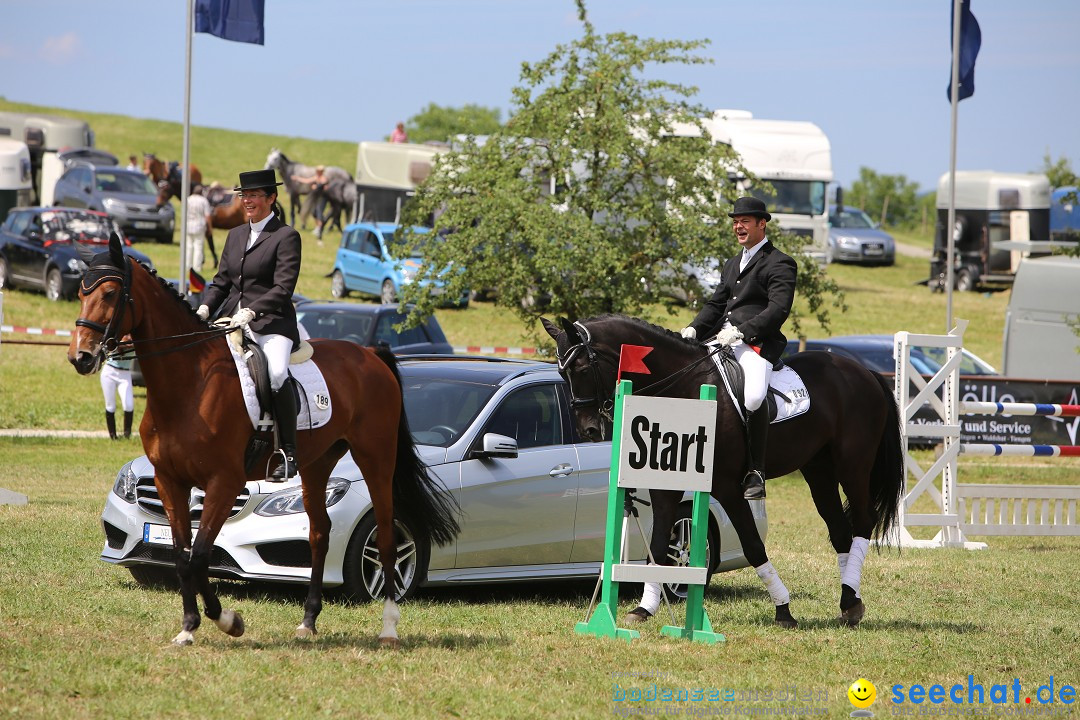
(862, 693)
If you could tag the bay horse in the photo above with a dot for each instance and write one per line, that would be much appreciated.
(849, 438)
(196, 432)
(168, 177)
(226, 208)
(286, 169)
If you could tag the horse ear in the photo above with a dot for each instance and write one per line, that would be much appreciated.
(86, 253)
(552, 329)
(571, 331)
(116, 250)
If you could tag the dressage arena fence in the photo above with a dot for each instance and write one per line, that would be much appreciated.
(977, 509)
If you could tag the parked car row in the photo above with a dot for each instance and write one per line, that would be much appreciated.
(497, 433)
(39, 247)
(127, 196)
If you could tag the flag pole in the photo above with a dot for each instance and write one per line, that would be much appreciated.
(950, 229)
(185, 167)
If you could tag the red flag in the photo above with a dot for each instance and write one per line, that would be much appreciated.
(195, 281)
(632, 360)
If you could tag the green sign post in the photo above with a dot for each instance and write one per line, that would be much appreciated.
(602, 621)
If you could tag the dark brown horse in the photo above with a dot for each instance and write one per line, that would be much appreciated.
(168, 176)
(849, 438)
(196, 433)
(226, 209)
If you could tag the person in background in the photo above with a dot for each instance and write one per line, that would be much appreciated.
(315, 200)
(745, 312)
(198, 227)
(133, 164)
(399, 136)
(116, 378)
(260, 265)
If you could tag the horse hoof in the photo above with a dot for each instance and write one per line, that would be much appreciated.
(853, 615)
(637, 615)
(788, 624)
(230, 623)
(303, 632)
(390, 643)
(184, 638)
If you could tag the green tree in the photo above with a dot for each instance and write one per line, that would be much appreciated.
(1059, 172)
(586, 198)
(440, 124)
(888, 199)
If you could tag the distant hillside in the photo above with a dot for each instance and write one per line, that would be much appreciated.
(219, 154)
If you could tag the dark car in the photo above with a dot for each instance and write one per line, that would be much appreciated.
(855, 238)
(127, 196)
(876, 353)
(38, 247)
(371, 325)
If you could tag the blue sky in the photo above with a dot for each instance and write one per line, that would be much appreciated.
(871, 73)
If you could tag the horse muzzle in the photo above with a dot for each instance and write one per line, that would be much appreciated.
(85, 362)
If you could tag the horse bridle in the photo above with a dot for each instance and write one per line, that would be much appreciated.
(603, 407)
(94, 277)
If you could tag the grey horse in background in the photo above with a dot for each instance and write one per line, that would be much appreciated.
(341, 198)
(287, 168)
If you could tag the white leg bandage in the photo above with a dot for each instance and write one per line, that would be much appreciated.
(777, 591)
(852, 575)
(841, 560)
(391, 615)
(650, 598)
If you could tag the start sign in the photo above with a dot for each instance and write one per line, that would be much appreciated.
(667, 443)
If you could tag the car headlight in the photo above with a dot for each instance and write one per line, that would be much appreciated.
(112, 204)
(124, 487)
(291, 501)
(846, 241)
(76, 265)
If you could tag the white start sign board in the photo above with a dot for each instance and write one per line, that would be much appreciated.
(667, 443)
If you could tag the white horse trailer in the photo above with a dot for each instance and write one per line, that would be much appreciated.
(387, 175)
(15, 185)
(44, 135)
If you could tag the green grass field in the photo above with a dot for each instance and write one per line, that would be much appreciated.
(78, 639)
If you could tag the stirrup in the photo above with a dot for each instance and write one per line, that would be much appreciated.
(753, 486)
(285, 470)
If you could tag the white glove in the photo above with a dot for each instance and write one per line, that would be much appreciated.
(242, 317)
(729, 336)
(203, 312)
(689, 333)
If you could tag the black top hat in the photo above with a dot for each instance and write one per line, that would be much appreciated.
(256, 180)
(750, 206)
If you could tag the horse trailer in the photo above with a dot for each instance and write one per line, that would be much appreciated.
(1039, 341)
(387, 175)
(1001, 219)
(44, 135)
(15, 185)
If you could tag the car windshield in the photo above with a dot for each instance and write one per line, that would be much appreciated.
(124, 182)
(793, 197)
(337, 325)
(935, 357)
(851, 219)
(75, 226)
(435, 405)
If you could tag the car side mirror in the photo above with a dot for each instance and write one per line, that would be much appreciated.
(495, 445)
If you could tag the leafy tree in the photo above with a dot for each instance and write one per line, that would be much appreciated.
(585, 202)
(443, 123)
(1059, 172)
(888, 199)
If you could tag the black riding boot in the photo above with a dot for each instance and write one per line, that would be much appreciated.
(758, 428)
(110, 422)
(285, 418)
(128, 417)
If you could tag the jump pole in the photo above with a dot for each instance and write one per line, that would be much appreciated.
(602, 622)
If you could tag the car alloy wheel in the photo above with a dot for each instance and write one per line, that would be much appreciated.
(54, 284)
(337, 285)
(362, 571)
(388, 295)
(678, 551)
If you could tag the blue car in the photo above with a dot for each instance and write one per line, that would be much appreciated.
(364, 264)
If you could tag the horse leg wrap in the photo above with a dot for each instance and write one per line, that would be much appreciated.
(852, 574)
(391, 615)
(650, 598)
(777, 590)
(841, 560)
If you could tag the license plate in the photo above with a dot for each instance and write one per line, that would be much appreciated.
(873, 249)
(159, 534)
(144, 225)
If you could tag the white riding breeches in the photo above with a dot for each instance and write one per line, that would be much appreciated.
(115, 380)
(277, 349)
(757, 371)
(195, 256)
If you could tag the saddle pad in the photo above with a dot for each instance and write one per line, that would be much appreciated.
(793, 401)
(315, 406)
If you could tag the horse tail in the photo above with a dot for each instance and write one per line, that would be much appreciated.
(420, 500)
(887, 476)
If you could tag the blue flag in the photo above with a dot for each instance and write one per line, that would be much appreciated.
(970, 41)
(239, 20)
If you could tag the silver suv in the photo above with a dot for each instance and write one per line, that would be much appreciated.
(127, 196)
